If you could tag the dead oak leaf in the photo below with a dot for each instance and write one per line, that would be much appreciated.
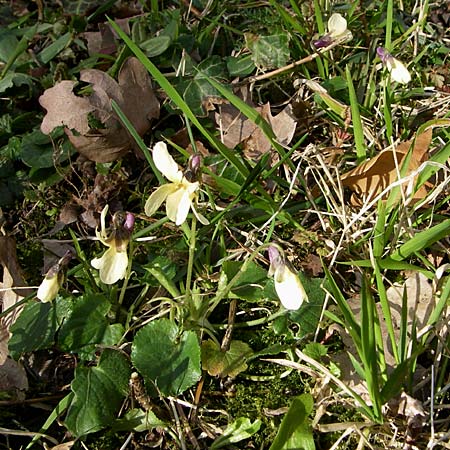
(10, 292)
(56, 99)
(104, 40)
(237, 129)
(12, 375)
(132, 92)
(420, 300)
(372, 177)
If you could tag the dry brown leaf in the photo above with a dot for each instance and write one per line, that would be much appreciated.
(133, 94)
(420, 300)
(373, 176)
(104, 41)
(13, 378)
(12, 375)
(313, 265)
(234, 126)
(238, 129)
(9, 296)
(64, 446)
(60, 98)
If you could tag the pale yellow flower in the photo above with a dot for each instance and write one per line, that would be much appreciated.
(179, 194)
(337, 31)
(288, 286)
(337, 25)
(396, 68)
(49, 288)
(113, 264)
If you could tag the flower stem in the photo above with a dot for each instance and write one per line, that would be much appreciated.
(192, 243)
(127, 274)
(221, 294)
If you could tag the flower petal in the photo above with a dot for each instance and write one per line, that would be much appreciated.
(165, 163)
(112, 265)
(102, 234)
(200, 217)
(337, 25)
(177, 205)
(289, 289)
(48, 289)
(158, 197)
(399, 72)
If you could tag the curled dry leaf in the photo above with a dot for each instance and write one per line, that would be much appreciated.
(133, 94)
(64, 446)
(238, 129)
(370, 178)
(104, 40)
(420, 300)
(235, 128)
(12, 374)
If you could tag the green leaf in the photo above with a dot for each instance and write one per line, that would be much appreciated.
(80, 7)
(237, 431)
(98, 393)
(36, 326)
(198, 88)
(51, 418)
(358, 132)
(225, 363)
(8, 43)
(138, 420)
(423, 240)
(46, 55)
(167, 359)
(14, 79)
(268, 51)
(156, 45)
(38, 151)
(86, 326)
(240, 66)
(295, 431)
(308, 316)
(252, 282)
(441, 157)
(113, 334)
(315, 350)
(390, 264)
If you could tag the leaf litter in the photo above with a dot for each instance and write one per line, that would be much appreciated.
(236, 129)
(372, 177)
(12, 374)
(110, 140)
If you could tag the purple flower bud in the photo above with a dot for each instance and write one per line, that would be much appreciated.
(323, 42)
(129, 222)
(383, 54)
(274, 254)
(194, 162)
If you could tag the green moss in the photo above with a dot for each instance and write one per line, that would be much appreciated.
(263, 400)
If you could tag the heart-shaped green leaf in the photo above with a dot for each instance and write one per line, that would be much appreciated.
(168, 360)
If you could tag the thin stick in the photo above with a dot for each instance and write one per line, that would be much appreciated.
(289, 67)
(231, 316)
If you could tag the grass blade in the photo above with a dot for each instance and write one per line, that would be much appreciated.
(422, 240)
(178, 100)
(356, 118)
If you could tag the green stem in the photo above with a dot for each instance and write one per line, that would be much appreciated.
(222, 293)
(192, 243)
(127, 275)
(253, 323)
(167, 284)
(389, 19)
(387, 109)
